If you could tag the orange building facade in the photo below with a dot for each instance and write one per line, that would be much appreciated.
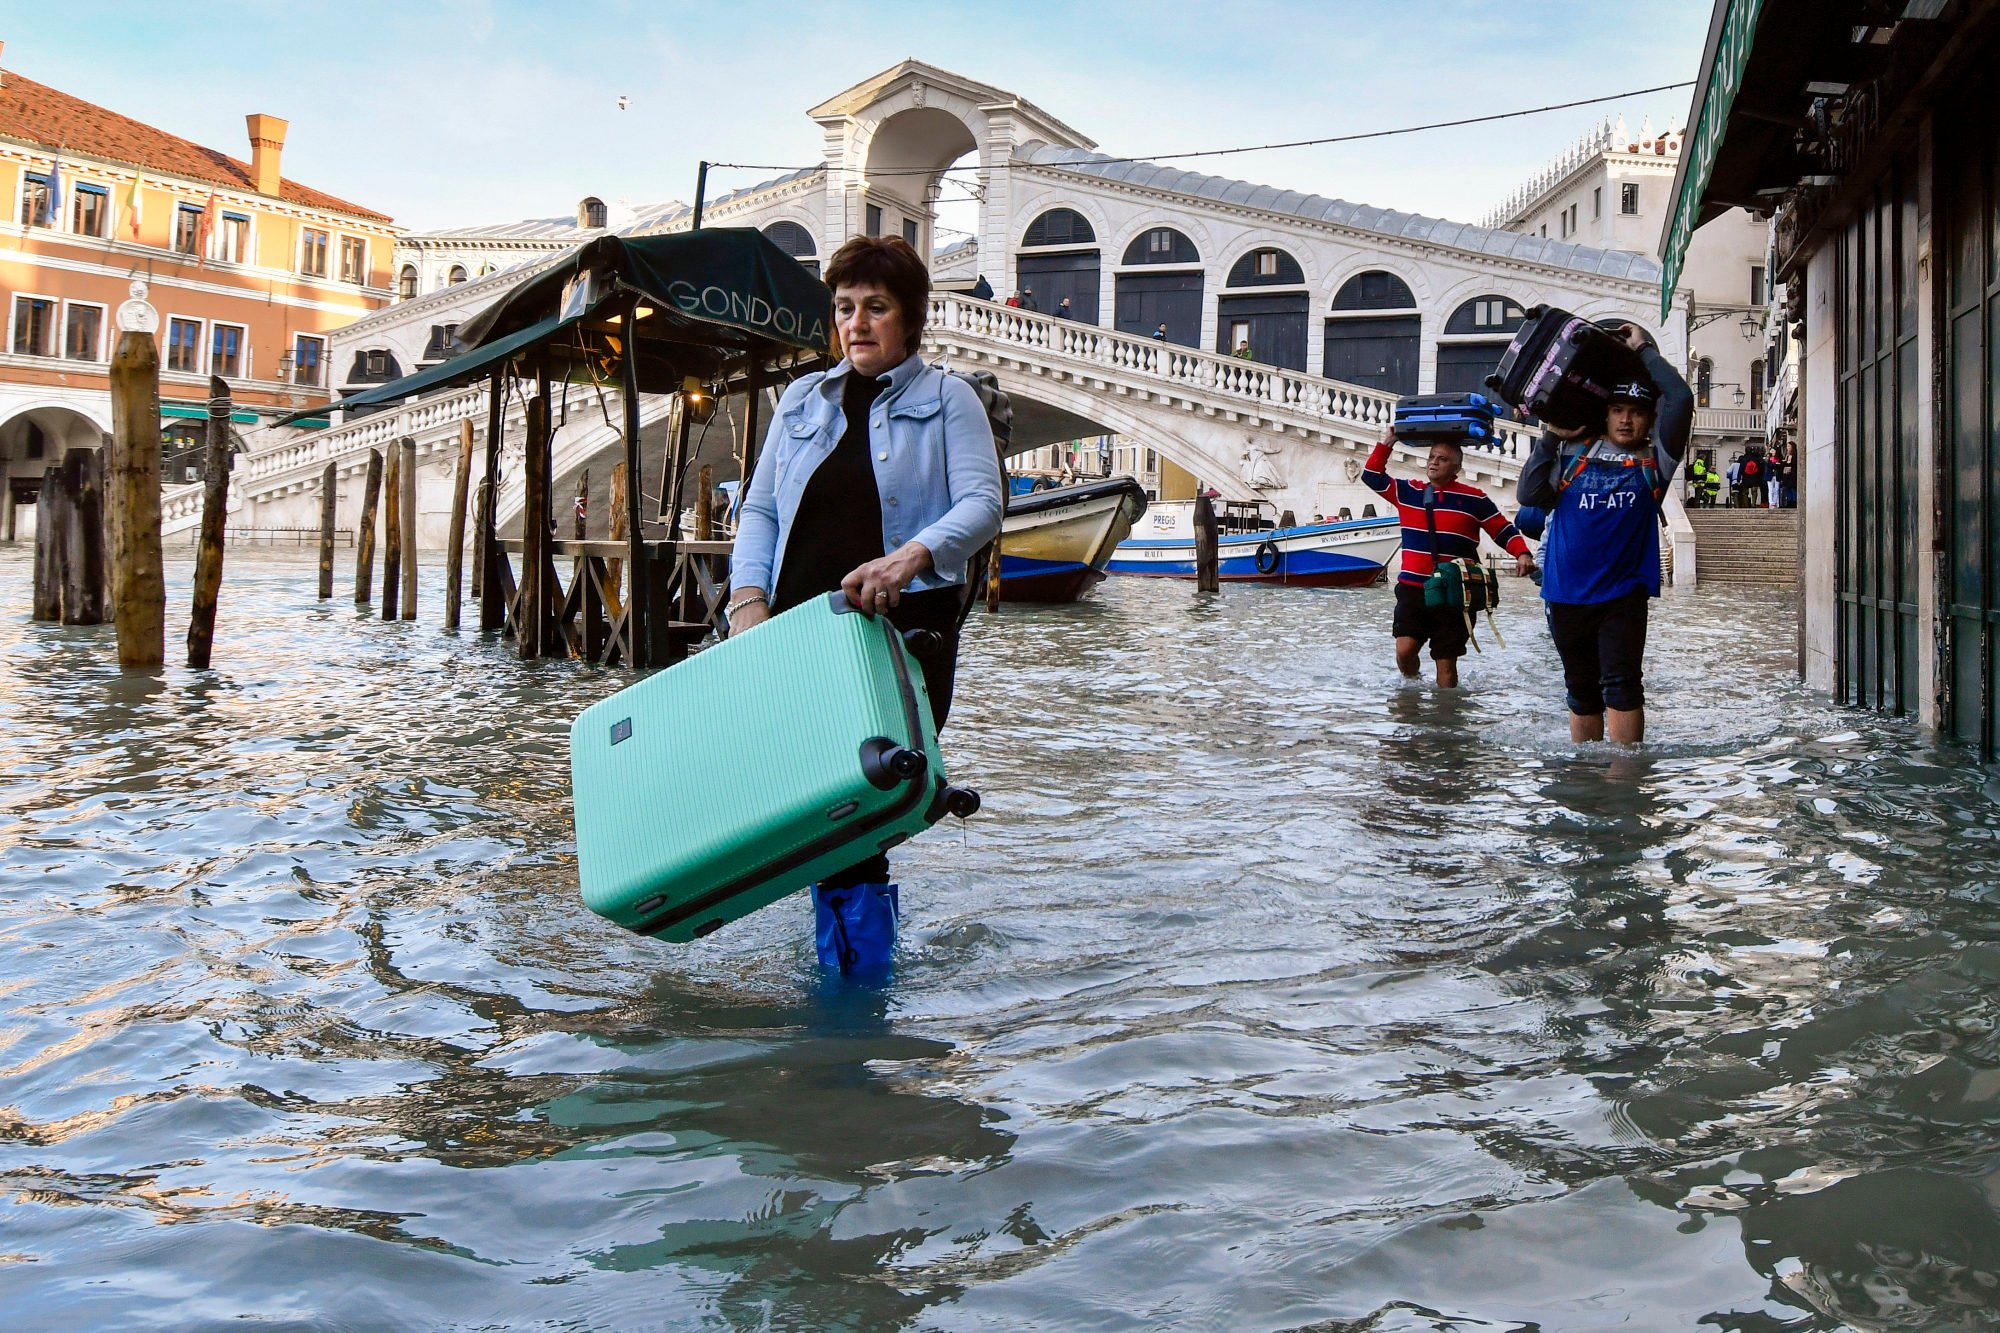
(249, 273)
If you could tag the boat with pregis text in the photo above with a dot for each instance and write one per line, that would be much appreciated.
(1252, 548)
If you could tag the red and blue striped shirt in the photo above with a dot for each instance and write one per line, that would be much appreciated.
(1461, 512)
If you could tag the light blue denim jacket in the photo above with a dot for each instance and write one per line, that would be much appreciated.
(935, 470)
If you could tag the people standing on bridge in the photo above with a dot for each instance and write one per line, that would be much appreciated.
(1601, 562)
(1028, 301)
(1014, 301)
(1160, 334)
(982, 290)
(1442, 519)
(878, 479)
(1242, 352)
(1062, 309)
(1697, 481)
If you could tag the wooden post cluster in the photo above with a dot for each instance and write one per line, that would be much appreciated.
(364, 537)
(214, 518)
(1207, 541)
(138, 582)
(69, 541)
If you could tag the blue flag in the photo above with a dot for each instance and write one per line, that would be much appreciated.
(52, 211)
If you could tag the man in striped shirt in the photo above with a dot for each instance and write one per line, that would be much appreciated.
(1442, 519)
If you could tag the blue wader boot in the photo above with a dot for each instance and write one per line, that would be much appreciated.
(854, 928)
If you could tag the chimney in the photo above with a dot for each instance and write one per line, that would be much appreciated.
(267, 144)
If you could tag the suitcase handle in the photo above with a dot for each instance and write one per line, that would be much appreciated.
(885, 763)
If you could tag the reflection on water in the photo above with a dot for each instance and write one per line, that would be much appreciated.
(1268, 992)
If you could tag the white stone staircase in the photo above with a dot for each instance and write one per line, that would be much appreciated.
(1747, 546)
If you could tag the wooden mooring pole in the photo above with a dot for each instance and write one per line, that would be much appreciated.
(409, 507)
(531, 603)
(486, 552)
(214, 520)
(454, 551)
(1207, 538)
(83, 565)
(614, 568)
(638, 609)
(364, 536)
(327, 505)
(582, 502)
(51, 522)
(392, 531)
(993, 576)
(138, 583)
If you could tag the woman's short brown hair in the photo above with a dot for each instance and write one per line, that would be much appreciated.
(888, 262)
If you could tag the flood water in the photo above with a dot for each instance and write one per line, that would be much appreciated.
(1267, 992)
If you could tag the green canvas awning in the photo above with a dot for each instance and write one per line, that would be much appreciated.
(1731, 29)
(199, 412)
(730, 290)
(465, 366)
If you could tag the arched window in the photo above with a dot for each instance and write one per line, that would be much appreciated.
(1490, 315)
(1065, 283)
(795, 241)
(590, 213)
(1374, 290)
(1059, 226)
(1161, 245)
(1269, 267)
(406, 282)
(1373, 334)
(457, 275)
(1474, 340)
(1704, 381)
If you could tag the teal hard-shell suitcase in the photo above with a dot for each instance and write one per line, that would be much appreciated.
(754, 769)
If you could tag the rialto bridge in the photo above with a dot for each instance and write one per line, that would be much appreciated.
(1343, 306)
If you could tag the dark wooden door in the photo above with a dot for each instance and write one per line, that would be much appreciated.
(1052, 277)
(1464, 367)
(1275, 325)
(1968, 220)
(1148, 300)
(1379, 352)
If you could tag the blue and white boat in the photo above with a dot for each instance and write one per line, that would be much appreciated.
(1253, 549)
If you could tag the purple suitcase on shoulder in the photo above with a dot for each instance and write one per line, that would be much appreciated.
(1562, 369)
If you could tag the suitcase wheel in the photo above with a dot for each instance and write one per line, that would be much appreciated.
(885, 763)
(961, 801)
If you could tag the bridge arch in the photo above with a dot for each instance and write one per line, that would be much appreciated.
(902, 145)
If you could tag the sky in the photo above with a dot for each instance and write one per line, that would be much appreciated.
(449, 112)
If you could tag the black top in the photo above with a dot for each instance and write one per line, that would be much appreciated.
(838, 526)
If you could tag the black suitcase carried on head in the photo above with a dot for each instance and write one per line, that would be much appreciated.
(1562, 369)
(1457, 418)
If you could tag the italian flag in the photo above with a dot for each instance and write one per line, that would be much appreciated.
(132, 202)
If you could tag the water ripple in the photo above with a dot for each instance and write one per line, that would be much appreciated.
(1268, 992)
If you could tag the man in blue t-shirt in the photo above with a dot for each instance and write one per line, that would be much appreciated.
(1601, 559)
